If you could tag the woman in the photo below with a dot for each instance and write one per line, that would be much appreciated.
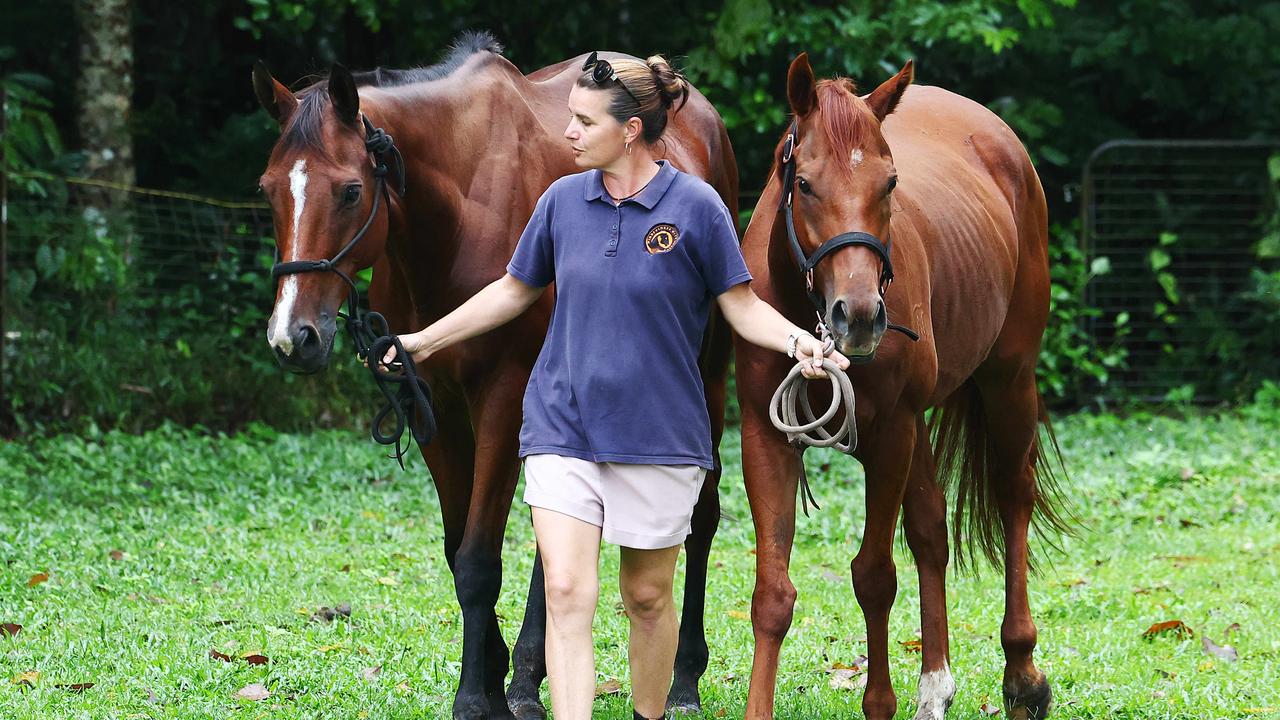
(616, 439)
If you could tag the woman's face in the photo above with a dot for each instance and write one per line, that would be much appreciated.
(598, 140)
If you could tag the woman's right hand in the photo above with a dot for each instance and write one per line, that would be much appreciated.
(413, 344)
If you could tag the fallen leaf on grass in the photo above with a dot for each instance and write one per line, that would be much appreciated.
(1222, 652)
(847, 679)
(739, 615)
(1258, 710)
(75, 687)
(371, 674)
(912, 646)
(10, 629)
(609, 687)
(989, 709)
(1168, 627)
(116, 555)
(37, 579)
(388, 580)
(219, 656)
(403, 687)
(256, 659)
(328, 614)
(331, 648)
(254, 691)
(28, 678)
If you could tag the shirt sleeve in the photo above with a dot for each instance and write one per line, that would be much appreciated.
(719, 255)
(534, 260)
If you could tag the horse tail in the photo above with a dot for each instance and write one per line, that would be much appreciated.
(962, 446)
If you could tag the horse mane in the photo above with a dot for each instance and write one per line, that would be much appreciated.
(304, 129)
(844, 117)
(845, 120)
(460, 50)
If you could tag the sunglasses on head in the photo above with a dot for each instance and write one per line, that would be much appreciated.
(602, 72)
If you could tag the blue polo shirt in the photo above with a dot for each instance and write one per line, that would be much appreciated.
(617, 379)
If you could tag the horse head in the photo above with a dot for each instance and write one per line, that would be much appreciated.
(838, 178)
(323, 184)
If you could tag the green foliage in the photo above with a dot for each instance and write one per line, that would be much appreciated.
(1072, 365)
(31, 141)
(158, 336)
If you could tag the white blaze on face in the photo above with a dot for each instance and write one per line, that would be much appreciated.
(278, 333)
(855, 157)
(937, 688)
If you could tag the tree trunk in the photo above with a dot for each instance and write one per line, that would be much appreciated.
(105, 94)
(105, 88)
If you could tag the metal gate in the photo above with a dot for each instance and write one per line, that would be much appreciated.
(1180, 223)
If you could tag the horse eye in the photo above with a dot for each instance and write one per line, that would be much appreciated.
(351, 195)
(893, 183)
(804, 186)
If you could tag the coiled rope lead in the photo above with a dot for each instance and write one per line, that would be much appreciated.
(791, 401)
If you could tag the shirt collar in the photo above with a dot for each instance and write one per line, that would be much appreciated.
(648, 197)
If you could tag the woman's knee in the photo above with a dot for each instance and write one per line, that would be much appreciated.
(646, 600)
(570, 593)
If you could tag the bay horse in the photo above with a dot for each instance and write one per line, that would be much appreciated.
(965, 234)
(479, 143)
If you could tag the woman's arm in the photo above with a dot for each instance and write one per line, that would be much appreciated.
(759, 324)
(497, 304)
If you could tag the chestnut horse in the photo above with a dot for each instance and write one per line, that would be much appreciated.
(966, 233)
(480, 142)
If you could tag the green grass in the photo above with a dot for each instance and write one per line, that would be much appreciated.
(230, 542)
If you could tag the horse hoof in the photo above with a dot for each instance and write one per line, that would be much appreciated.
(1031, 703)
(684, 700)
(528, 710)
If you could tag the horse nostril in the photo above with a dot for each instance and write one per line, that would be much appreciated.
(882, 317)
(840, 318)
(308, 338)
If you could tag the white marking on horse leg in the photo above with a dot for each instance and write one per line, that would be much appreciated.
(937, 689)
(281, 319)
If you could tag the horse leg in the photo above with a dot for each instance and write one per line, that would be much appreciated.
(692, 653)
(529, 658)
(925, 521)
(1011, 412)
(875, 584)
(771, 469)
(451, 458)
(478, 565)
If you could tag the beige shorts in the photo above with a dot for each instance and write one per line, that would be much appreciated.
(646, 507)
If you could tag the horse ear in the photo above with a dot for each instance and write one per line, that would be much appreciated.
(276, 98)
(885, 98)
(802, 86)
(343, 95)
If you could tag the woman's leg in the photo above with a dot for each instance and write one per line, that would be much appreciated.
(570, 561)
(645, 580)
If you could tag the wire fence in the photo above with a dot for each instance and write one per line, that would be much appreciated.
(1179, 224)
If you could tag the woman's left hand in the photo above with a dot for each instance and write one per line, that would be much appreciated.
(809, 355)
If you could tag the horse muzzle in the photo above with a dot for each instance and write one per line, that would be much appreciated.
(304, 347)
(857, 328)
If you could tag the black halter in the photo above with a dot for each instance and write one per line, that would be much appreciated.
(808, 263)
(369, 331)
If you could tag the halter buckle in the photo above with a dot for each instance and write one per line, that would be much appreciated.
(808, 279)
(788, 147)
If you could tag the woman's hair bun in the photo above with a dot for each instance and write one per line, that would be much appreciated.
(671, 85)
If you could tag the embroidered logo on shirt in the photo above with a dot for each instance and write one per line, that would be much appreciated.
(661, 238)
